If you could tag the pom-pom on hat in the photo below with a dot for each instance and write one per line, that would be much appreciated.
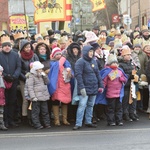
(111, 59)
(55, 50)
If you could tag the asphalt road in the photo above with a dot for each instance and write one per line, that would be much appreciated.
(131, 136)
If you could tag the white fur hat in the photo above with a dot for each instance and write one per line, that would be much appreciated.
(36, 65)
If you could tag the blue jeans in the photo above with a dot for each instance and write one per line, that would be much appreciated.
(85, 105)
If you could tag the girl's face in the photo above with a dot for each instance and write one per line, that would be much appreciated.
(39, 71)
(127, 57)
(57, 56)
(114, 65)
(27, 48)
(91, 53)
(42, 50)
(75, 51)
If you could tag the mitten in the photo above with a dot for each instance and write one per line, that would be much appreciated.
(34, 99)
(101, 90)
(83, 92)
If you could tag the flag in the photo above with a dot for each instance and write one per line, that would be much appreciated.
(98, 5)
(49, 10)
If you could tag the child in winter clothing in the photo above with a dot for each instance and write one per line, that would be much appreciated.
(2, 99)
(114, 79)
(59, 87)
(38, 93)
(129, 100)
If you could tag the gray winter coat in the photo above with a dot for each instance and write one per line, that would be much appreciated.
(37, 87)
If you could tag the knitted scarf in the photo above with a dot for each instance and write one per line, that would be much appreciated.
(27, 56)
(43, 56)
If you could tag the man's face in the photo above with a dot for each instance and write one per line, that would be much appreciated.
(6, 48)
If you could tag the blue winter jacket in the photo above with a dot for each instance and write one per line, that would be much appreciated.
(11, 63)
(87, 73)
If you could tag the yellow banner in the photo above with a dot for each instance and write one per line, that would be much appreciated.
(49, 10)
(18, 20)
(98, 5)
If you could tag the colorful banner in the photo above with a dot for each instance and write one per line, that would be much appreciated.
(98, 5)
(49, 10)
(18, 20)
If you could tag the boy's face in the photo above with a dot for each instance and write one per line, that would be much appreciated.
(127, 57)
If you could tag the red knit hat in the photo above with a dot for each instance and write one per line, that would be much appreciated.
(56, 50)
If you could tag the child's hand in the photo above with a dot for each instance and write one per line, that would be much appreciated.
(101, 90)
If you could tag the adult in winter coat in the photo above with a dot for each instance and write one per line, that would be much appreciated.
(89, 83)
(43, 52)
(73, 54)
(143, 58)
(27, 56)
(11, 63)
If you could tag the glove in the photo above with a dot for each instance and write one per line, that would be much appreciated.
(34, 99)
(83, 92)
(9, 78)
(101, 90)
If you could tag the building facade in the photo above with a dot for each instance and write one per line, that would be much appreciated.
(82, 15)
(138, 10)
(4, 21)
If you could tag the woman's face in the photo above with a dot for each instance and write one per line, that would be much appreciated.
(27, 48)
(91, 53)
(42, 50)
(75, 51)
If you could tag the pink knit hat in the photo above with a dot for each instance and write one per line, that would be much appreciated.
(55, 51)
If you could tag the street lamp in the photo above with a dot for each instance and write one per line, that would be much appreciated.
(81, 14)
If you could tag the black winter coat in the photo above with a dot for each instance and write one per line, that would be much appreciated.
(127, 68)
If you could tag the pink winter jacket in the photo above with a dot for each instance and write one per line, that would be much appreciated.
(63, 91)
(113, 87)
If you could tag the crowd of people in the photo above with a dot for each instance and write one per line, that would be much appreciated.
(61, 78)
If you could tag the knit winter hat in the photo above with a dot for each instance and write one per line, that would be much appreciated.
(55, 51)
(91, 37)
(111, 59)
(23, 43)
(1, 68)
